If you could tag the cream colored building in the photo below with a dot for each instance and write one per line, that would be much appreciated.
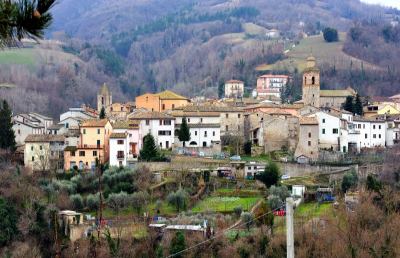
(94, 144)
(44, 152)
(234, 89)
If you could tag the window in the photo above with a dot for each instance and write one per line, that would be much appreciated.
(72, 153)
(94, 153)
(160, 122)
(98, 131)
(195, 133)
(380, 136)
(373, 126)
(227, 115)
(366, 136)
(40, 147)
(173, 106)
(213, 133)
(164, 132)
(19, 131)
(359, 126)
(363, 126)
(188, 120)
(374, 136)
(31, 148)
(120, 142)
(147, 122)
(238, 115)
(323, 120)
(163, 107)
(167, 122)
(205, 133)
(84, 131)
(380, 127)
(309, 143)
(98, 143)
(81, 153)
(120, 154)
(313, 80)
(66, 125)
(323, 131)
(33, 158)
(335, 131)
(201, 120)
(309, 135)
(226, 128)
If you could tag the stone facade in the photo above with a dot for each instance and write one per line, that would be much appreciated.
(104, 98)
(311, 84)
(308, 139)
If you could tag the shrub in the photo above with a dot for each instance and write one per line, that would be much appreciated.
(177, 245)
(271, 175)
(77, 201)
(8, 222)
(139, 200)
(118, 201)
(178, 199)
(93, 201)
(349, 181)
(247, 218)
(238, 211)
(65, 185)
(330, 35)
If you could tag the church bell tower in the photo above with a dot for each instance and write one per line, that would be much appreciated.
(104, 98)
(311, 84)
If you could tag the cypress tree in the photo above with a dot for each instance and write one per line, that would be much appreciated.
(184, 134)
(358, 106)
(349, 104)
(149, 151)
(7, 136)
(102, 114)
(177, 245)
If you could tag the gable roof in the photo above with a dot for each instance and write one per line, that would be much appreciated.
(45, 138)
(125, 125)
(118, 135)
(167, 94)
(94, 123)
(145, 114)
(308, 121)
(234, 81)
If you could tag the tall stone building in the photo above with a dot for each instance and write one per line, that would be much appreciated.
(104, 98)
(311, 84)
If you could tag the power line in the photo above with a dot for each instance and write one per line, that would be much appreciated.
(223, 232)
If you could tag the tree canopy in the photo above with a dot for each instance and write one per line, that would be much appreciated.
(271, 175)
(102, 114)
(178, 244)
(331, 35)
(24, 19)
(8, 222)
(149, 151)
(184, 134)
(7, 135)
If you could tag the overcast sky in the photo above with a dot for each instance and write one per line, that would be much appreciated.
(393, 3)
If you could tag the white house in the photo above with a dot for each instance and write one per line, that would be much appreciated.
(119, 149)
(367, 133)
(329, 130)
(27, 124)
(129, 133)
(204, 128)
(252, 168)
(234, 89)
(74, 116)
(160, 125)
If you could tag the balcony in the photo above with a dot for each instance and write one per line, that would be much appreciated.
(120, 156)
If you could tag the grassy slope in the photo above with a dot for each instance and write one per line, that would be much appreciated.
(225, 204)
(24, 56)
(324, 53)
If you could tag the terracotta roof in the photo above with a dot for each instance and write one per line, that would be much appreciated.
(277, 111)
(170, 95)
(234, 81)
(274, 76)
(308, 121)
(180, 113)
(94, 123)
(211, 108)
(380, 99)
(144, 114)
(55, 127)
(125, 125)
(118, 135)
(368, 119)
(200, 125)
(45, 138)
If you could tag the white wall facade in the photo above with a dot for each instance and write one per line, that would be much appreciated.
(161, 129)
(369, 134)
(329, 131)
(119, 145)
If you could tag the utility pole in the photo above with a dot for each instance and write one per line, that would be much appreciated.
(289, 228)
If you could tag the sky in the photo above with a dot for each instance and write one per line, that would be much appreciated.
(392, 3)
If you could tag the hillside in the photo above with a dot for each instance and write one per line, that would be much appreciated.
(325, 53)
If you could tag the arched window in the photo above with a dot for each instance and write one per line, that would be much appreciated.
(193, 143)
(305, 79)
(313, 80)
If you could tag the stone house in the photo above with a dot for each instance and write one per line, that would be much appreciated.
(307, 147)
(159, 102)
(234, 89)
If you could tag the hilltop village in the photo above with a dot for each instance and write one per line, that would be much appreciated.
(314, 129)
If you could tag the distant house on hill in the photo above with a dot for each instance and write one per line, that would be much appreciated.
(271, 85)
(234, 89)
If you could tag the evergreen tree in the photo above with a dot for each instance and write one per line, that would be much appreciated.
(270, 176)
(7, 136)
(19, 19)
(102, 114)
(8, 222)
(184, 134)
(330, 35)
(178, 244)
(349, 104)
(358, 106)
(149, 151)
(221, 89)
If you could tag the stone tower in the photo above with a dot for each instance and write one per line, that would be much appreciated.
(311, 84)
(104, 98)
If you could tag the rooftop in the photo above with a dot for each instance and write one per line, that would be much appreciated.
(44, 138)
(118, 135)
(94, 123)
(308, 121)
(170, 95)
(125, 125)
(104, 90)
(234, 81)
(145, 114)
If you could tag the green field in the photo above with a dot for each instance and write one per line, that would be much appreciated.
(311, 210)
(22, 56)
(324, 52)
(224, 204)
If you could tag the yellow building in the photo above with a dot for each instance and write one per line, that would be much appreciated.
(374, 110)
(94, 144)
(166, 100)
